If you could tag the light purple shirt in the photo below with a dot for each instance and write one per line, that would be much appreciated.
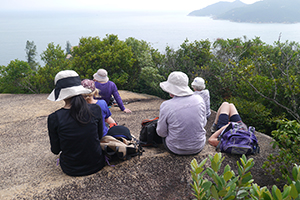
(205, 95)
(182, 121)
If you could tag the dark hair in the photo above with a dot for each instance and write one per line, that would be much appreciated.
(80, 110)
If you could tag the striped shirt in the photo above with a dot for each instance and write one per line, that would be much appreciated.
(181, 122)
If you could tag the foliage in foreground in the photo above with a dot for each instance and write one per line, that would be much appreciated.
(287, 140)
(228, 185)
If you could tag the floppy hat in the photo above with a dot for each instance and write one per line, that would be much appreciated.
(199, 82)
(88, 84)
(101, 75)
(177, 84)
(67, 84)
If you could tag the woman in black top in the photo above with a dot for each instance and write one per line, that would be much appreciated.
(76, 129)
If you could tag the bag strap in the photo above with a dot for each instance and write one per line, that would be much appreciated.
(145, 121)
(123, 149)
(251, 129)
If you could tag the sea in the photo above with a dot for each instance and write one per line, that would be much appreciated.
(159, 29)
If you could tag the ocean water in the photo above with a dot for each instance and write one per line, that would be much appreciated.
(158, 29)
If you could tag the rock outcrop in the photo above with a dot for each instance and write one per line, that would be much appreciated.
(29, 169)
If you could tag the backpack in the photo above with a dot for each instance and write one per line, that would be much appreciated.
(120, 143)
(238, 139)
(148, 134)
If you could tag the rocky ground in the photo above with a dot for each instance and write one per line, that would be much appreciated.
(29, 170)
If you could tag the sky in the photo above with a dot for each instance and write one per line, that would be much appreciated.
(110, 5)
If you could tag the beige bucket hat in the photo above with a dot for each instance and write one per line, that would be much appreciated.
(177, 84)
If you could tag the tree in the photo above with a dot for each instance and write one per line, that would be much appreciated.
(149, 82)
(55, 60)
(16, 78)
(144, 63)
(30, 54)
(111, 54)
(266, 75)
(189, 58)
(68, 47)
(273, 75)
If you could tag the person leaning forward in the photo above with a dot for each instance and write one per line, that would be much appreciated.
(181, 119)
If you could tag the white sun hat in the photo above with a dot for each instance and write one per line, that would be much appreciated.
(199, 82)
(101, 75)
(67, 84)
(177, 84)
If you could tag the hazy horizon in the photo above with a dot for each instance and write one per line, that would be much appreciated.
(158, 29)
(117, 5)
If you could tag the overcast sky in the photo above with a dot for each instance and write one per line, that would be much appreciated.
(110, 5)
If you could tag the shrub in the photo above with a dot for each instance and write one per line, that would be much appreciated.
(254, 114)
(287, 139)
(229, 186)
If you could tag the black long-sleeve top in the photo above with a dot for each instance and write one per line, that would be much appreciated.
(79, 144)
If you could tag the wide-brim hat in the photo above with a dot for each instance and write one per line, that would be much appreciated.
(177, 84)
(67, 84)
(101, 75)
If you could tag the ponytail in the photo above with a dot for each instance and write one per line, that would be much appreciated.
(80, 109)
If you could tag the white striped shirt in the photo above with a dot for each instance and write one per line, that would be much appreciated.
(182, 121)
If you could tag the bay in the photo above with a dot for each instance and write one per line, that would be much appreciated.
(157, 28)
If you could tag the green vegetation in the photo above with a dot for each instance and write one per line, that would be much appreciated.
(228, 185)
(17, 77)
(30, 54)
(287, 139)
(262, 80)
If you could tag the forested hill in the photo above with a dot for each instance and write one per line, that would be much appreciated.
(217, 8)
(266, 11)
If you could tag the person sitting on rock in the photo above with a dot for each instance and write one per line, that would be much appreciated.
(108, 88)
(106, 114)
(226, 113)
(199, 89)
(181, 119)
(76, 129)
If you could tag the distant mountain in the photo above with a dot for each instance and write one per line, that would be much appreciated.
(266, 11)
(217, 8)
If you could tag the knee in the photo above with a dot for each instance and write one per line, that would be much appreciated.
(232, 106)
(225, 104)
(213, 141)
(210, 141)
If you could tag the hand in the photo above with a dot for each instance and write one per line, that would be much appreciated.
(126, 110)
(112, 125)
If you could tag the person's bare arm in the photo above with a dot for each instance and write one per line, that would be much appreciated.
(110, 120)
(213, 140)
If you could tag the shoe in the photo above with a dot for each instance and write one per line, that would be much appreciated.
(213, 128)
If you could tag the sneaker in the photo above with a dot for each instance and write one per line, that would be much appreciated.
(213, 128)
